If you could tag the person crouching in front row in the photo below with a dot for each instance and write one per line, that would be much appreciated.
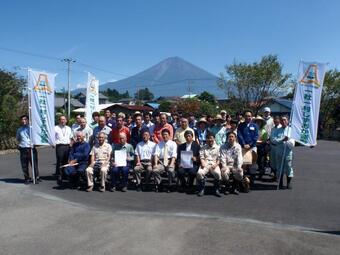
(231, 161)
(100, 160)
(210, 160)
(78, 159)
(121, 170)
(164, 159)
(143, 152)
(192, 146)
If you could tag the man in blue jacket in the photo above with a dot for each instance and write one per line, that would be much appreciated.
(247, 135)
(78, 159)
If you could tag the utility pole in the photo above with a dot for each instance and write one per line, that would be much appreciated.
(189, 87)
(68, 61)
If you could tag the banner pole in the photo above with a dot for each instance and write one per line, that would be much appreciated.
(30, 127)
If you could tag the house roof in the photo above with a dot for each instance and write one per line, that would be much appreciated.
(153, 105)
(285, 102)
(134, 107)
(60, 102)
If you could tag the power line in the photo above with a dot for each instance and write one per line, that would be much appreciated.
(30, 54)
(158, 83)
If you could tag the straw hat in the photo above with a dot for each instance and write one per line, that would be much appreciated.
(259, 119)
(218, 117)
(202, 120)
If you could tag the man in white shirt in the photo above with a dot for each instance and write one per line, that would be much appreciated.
(148, 123)
(63, 139)
(143, 152)
(164, 159)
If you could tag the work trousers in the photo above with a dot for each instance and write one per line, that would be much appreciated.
(227, 170)
(159, 170)
(143, 167)
(203, 171)
(103, 175)
(61, 152)
(26, 160)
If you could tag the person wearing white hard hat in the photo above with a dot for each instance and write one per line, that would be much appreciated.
(269, 120)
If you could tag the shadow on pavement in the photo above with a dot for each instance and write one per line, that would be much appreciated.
(48, 178)
(12, 180)
(329, 232)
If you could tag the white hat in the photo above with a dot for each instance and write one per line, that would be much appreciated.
(223, 111)
(266, 109)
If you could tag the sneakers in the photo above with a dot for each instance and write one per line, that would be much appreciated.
(112, 189)
(89, 188)
(124, 189)
(27, 182)
(102, 188)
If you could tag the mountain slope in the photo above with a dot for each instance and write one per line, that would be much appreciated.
(171, 77)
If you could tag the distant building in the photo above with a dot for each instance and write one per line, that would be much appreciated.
(278, 106)
(152, 105)
(128, 109)
(189, 96)
(128, 100)
(102, 98)
(61, 102)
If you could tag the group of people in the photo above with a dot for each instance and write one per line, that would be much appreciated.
(152, 147)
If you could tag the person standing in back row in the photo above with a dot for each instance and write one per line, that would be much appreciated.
(63, 139)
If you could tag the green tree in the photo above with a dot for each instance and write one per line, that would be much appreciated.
(165, 106)
(330, 100)
(144, 94)
(11, 89)
(114, 94)
(207, 97)
(252, 83)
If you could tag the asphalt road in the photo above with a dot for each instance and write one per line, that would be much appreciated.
(40, 219)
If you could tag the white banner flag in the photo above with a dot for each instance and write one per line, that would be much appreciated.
(306, 105)
(41, 91)
(92, 97)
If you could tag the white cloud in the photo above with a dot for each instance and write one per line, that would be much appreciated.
(111, 80)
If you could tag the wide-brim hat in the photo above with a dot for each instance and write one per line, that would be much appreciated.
(202, 120)
(218, 117)
(259, 119)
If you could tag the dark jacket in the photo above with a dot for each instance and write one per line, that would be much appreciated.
(80, 152)
(137, 135)
(195, 148)
(247, 133)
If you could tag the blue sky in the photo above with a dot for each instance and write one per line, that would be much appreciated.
(125, 37)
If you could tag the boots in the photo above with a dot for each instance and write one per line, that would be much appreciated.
(289, 182)
(217, 188)
(201, 185)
